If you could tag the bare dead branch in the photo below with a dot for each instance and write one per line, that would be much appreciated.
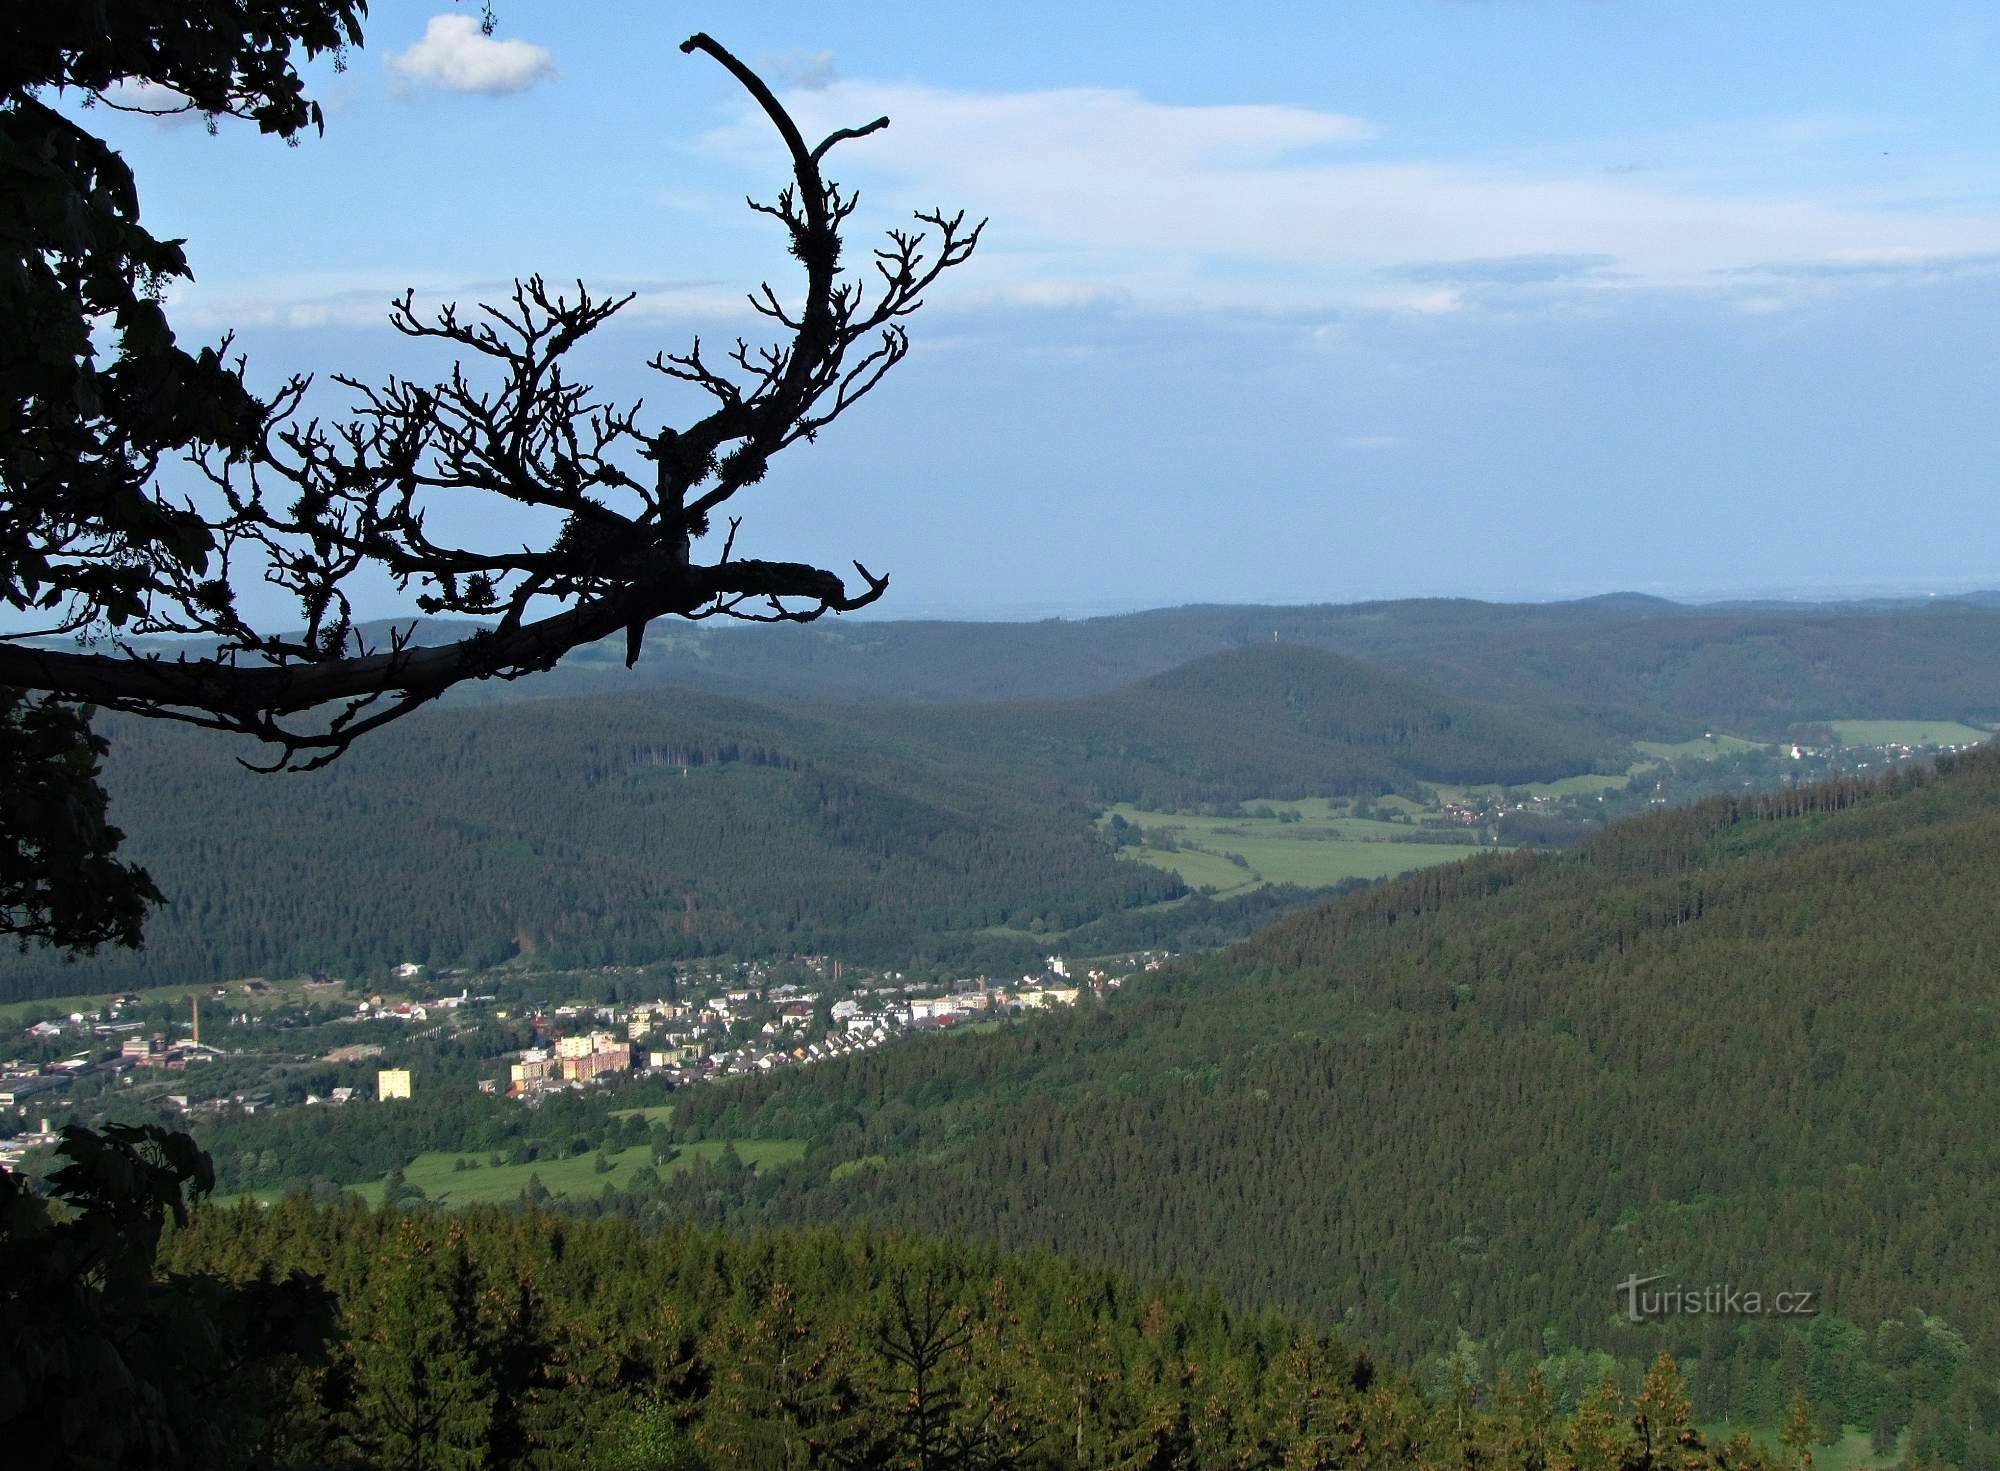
(316, 504)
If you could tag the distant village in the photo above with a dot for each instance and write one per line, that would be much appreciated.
(695, 1041)
(720, 1025)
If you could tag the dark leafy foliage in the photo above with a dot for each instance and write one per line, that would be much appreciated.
(61, 884)
(95, 390)
(103, 1362)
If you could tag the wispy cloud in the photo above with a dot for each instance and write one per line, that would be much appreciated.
(361, 299)
(138, 94)
(1906, 262)
(457, 55)
(1509, 270)
(1275, 207)
(804, 71)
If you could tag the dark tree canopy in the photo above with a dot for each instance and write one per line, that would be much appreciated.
(60, 881)
(105, 1362)
(98, 395)
(85, 538)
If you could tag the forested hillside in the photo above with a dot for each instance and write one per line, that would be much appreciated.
(656, 825)
(1753, 1043)
(514, 1340)
(1267, 720)
(630, 829)
(1637, 666)
(614, 821)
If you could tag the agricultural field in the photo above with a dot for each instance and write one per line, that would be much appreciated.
(1310, 845)
(1908, 733)
(1706, 748)
(435, 1173)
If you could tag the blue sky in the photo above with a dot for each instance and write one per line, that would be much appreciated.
(1284, 303)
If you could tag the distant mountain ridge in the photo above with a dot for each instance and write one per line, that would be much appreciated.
(920, 822)
(1631, 665)
(1258, 720)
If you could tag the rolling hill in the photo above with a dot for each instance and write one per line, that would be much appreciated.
(1265, 720)
(658, 825)
(1631, 666)
(1754, 1043)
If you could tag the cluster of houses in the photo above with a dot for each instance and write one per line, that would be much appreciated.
(733, 1024)
(744, 1030)
(576, 1059)
(22, 1083)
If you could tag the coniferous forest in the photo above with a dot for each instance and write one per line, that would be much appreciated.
(1748, 1043)
(506, 1339)
(658, 825)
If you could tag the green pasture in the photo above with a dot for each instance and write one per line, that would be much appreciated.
(433, 1173)
(1705, 748)
(1907, 733)
(1318, 849)
(651, 1115)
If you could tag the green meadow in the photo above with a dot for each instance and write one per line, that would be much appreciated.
(1907, 733)
(1852, 1452)
(435, 1173)
(1236, 854)
(1702, 749)
(236, 998)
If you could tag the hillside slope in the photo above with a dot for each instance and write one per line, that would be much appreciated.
(1753, 1043)
(664, 824)
(1633, 666)
(580, 832)
(1265, 720)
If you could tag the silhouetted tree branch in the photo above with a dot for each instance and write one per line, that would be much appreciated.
(307, 504)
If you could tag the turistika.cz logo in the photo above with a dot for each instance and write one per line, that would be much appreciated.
(1715, 1300)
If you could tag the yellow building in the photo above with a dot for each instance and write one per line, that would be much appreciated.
(392, 1082)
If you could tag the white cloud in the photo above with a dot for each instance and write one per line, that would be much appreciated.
(140, 94)
(456, 55)
(1288, 208)
(808, 71)
(361, 299)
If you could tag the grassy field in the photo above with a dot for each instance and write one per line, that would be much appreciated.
(1851, 1453)
(1907, 733)
(651, 1115)
(577, 1175)
(1320, 848)
(1706, 748)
